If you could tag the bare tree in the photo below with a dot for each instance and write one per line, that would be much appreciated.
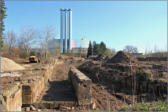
(48, 34)
(27, 39)
(130, 49)
(10, 40)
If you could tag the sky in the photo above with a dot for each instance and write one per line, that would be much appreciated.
(117, 23)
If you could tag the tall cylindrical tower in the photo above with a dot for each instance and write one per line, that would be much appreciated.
(61, 30)
(65, 30)
(70, 28)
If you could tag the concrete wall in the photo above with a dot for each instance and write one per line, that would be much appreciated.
(82, 86)
(11, 98)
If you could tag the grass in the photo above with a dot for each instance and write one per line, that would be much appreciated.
(154, 106)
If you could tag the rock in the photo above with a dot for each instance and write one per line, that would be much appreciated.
(32, 108)
(73, 108)
(64, 107)
(17, 79)
(94, 106)
(27, 108)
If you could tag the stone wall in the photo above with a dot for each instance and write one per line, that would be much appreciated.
(82, 86)
(11, 98)
(31, 91)
(24, 91)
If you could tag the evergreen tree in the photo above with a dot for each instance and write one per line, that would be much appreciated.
(99, 48)
(107, 52)
(95, 48)
(2, 17)
(102, 48)
(89, 49)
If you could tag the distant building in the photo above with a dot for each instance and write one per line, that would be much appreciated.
(53, 46)
(79, 51)
(84, 43)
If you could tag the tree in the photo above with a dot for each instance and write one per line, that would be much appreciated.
(102, 48)
(99, 48)
(89, 49)
(107, 52)
(10, 40)
(95, 48)
(27, 39)
(130, 49)
(48, 34)
(2, 17)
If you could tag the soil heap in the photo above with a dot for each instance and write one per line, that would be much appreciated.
(121, 57)
(9, 65)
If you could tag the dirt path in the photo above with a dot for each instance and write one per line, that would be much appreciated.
(59, 91)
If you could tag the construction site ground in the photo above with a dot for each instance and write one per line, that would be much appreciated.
(59, 93)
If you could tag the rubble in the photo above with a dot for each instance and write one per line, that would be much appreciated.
(32, 108)
(11, 74)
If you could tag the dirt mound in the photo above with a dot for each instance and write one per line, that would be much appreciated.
(9, 65)
(122, 57)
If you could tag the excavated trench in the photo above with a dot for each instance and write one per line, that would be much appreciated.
(58, 92)
(61, 93)
(40, 88)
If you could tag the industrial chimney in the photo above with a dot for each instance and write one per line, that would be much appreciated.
(70, 28)
(61, 31)
(66, 30)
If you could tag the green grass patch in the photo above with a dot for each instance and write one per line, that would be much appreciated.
(154, 106)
